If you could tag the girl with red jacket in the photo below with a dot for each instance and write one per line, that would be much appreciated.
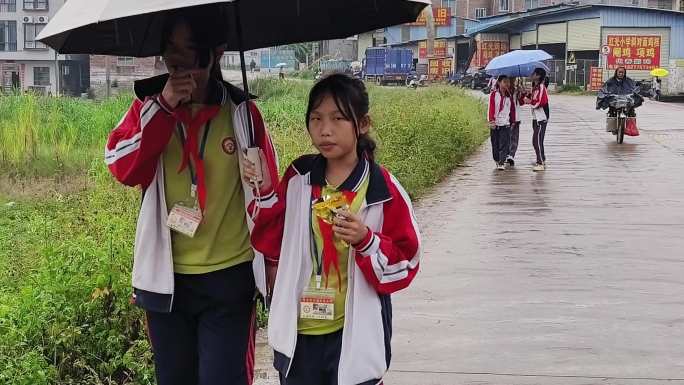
(501, 115)
(539, 101)
(346, 237)
(194, 270)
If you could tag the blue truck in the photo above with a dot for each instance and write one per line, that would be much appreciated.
(387, 65)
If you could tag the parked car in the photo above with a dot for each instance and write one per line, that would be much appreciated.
(455, 79)
(475, 79)
(645, 88)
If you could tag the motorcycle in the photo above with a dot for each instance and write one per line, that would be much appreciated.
(620, 109)
(414, 81)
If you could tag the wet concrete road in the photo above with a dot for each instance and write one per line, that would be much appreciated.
(574, 276)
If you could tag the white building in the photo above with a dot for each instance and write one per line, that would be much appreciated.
(27, 64)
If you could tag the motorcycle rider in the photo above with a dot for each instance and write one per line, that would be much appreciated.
(619, 84)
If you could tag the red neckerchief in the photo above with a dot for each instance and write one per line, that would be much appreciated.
(191, 146)
(330, 257)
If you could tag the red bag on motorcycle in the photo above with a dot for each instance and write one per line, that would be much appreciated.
(631, 128)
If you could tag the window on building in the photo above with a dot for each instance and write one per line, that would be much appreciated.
(681, 6)
(405, 33)
(480, 12)
(8, 35)
(41, 76)
(531, 4)
(8, 5)
(125, 61)
(38, 5)
(665, 4)
(503, 6)
(30, 33)
(635, 3)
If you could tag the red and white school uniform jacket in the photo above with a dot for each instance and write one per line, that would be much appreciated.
(501, 109)
(386, 261)
(519, 100)
(540, 103)
(133, 155)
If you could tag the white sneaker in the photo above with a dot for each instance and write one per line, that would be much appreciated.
(501, 167)
(538, 167)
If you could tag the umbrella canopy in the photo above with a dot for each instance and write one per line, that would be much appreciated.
(134, 27)
(517, 58)
(281, 65)
(518, 70)
(659, 72)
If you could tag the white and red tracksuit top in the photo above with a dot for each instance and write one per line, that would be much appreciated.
(134, 156)
(540, 103)
(386, 261)
(501, 109)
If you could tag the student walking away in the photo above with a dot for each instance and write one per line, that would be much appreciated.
(539, 101)
(656, 85)
(252, 65)
(346, 237)
(194, 270)
(501, 114)
(518, 101)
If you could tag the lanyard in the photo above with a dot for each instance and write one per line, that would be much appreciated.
(317, 256)
(203, 145)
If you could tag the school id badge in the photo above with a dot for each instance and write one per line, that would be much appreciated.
(184, 220)
(317, 304)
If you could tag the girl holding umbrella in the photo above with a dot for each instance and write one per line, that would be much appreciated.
(539, 101)
(193, 270)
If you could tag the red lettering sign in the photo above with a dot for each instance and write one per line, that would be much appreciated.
(442, 17)
(595, 78)
(633, 52)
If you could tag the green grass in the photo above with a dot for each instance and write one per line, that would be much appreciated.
(41, 135)
(65, 258)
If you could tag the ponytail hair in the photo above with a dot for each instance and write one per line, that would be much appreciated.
(543, 78)
(351, 98)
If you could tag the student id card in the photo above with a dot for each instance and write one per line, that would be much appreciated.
(185, 220)
(317, 304)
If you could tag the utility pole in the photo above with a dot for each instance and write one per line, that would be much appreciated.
(57, 73)
(430, 26)
(108, 77)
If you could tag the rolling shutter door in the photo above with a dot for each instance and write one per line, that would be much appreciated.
(584, 35)
(515, 42)
(552, 33)
(529, 38)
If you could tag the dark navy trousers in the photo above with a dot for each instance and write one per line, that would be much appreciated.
(208, 337)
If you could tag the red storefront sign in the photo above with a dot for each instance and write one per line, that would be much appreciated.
(439, 68)
(442, 17)
(488, 50)
(633, 52)
(595, 78)
(440, 49)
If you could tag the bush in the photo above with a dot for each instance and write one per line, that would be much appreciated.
(306, 74)
(571, 89)
(65, 259)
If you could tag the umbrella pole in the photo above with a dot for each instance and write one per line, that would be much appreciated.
(245, 85)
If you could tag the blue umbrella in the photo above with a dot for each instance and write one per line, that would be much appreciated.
(518, 70)
(518, 63)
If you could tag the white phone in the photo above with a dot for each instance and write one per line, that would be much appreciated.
(254, 157)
